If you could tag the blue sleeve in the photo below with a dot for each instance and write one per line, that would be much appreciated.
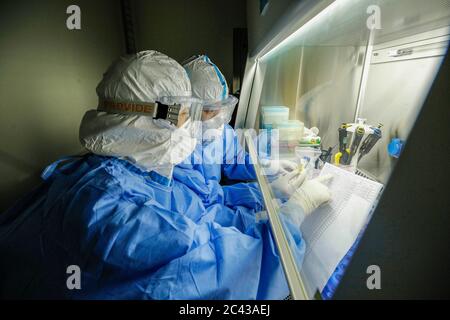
(209, 191)
(144, 251)
(117, 236)
(236, 164)
(244, 194)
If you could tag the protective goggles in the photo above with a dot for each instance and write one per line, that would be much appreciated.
(175, 110)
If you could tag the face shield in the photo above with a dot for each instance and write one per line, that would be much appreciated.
(216, 115)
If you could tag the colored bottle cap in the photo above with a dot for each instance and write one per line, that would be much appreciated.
(395, 147)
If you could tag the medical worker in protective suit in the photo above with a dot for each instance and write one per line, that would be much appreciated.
(219, 152)
(116, 218)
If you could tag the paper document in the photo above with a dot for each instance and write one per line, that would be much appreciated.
(331, 230)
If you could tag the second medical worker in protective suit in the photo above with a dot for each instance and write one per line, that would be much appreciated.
(116, 218)
(219, 153)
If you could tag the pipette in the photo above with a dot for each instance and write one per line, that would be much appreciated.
(370, 142)
(359, 134)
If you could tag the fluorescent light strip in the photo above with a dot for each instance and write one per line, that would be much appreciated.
(300, 30)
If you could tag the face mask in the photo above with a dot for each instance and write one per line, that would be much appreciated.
(225, 110)
(215, 122)
(183, 141)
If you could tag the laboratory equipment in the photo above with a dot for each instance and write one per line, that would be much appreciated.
(328, 68)
(308, 156)
(395, 147)
(358, 135)
(370, 142)
(273, 114)
(311, 141)
(290, 130)
(310, 137)
(325, 156)
(351, 150)
(343, 154)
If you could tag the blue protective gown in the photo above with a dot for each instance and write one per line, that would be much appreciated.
(203, 176)
(134, 238)
(223, 155)
(202, 172)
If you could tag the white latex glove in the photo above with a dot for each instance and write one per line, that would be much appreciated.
(272, 167)
(286, 185)
(312, 194)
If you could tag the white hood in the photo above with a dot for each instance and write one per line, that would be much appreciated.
(145, 77)
(139, 139)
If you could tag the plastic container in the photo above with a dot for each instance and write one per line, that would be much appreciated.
(308, 155)
(311, 141)
(290, 130)
(273, 114)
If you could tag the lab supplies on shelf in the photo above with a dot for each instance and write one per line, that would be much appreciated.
(290, 130)
(273, 114)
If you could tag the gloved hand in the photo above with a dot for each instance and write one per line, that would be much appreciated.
(285, 186)
(312, 194)
(272, 167)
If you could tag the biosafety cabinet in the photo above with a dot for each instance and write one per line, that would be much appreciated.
(379, 65)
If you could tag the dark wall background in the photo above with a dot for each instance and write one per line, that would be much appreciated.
(48, 76)
(182, 28)
(48, 73)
